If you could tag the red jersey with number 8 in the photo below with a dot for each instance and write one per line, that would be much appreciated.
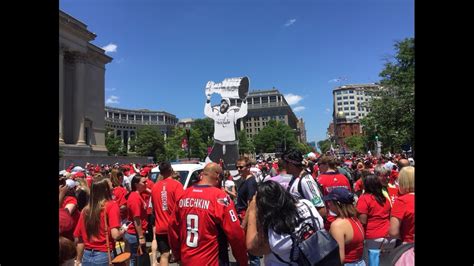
(193, 230)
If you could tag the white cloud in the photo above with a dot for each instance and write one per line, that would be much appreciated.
(334, 80)
(328, 110)
(112, 100)
(290, 22)
(110, 48)
(110, 89)
(298, 108)
(293, 99)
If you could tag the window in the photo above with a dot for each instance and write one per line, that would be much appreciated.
(339, 98)
(351, 97)
(352, 108)
(353, 113)
(116, 116)
(256, 100)
(346, 108)
(352, 102)
(351, 91)
(346, 103)
(345, 97)
(146, 117)
(264, 100)
(138, 117)
(273, 99)
(347, 114)
(338, 92)
(339, 109)
(153, 118)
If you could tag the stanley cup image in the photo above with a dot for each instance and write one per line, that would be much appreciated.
(225, 117)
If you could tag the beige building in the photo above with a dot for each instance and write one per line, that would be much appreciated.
(353, 100)
(81, 89)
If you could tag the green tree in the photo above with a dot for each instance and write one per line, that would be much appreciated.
(245, 144)
(174, 150)
(324, 145)
(112, 143)
(356, 143)
(303, 147)
(392, 116)
(276, 136)
(149, 142)
(206, 127)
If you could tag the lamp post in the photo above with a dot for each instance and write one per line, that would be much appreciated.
(188, 132)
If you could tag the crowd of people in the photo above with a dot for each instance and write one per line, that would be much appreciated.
(364, 202)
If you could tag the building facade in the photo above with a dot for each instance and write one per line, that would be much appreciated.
(353, 100)
(343, 129)
(81, 89)
(125, 122)
(266, 105)
(302, 131)
(185, 123)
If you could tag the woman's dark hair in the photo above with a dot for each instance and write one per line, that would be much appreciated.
(135, 181)
(115, 176)
(372, 185)
(67, 250)
(276, 208)
(82, 197)
(100, 193)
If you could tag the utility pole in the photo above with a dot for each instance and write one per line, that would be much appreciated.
(188, 132)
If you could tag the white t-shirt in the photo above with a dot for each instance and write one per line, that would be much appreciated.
(229, 184)
(281, 244)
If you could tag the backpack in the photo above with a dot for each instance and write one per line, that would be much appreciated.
(312, 247)
(299, 188)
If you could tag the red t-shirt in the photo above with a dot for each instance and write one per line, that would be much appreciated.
(393, 191)
(378, 217)
(118, 195)
(66, 224)
(404, 209)
(146, 196)
(332, 180)
(194, 226)
(315, 171)
(358, 185)
(136, 207)
(75, 214)
(164, 196)
(99, 242)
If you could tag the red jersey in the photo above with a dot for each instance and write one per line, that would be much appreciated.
(201, 212)
(136, 207)
(404, 210)
(315, 171)
(99, 242)
(75, 214)
(164, 196)
(146, 196)
(378, 217)
(332, 180)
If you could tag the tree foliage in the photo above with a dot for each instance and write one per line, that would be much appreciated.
(174, 150)
(356, 143)
(274, 138)
(392, 116)
(112, 143)
(245, 144)
(324, 145)
(149, 142)
(206, 127)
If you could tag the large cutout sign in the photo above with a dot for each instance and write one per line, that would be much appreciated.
(226, 144)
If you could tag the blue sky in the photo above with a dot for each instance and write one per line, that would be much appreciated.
(165, 51)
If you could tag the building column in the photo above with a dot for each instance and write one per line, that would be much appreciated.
(61, 95)
(79, 96)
